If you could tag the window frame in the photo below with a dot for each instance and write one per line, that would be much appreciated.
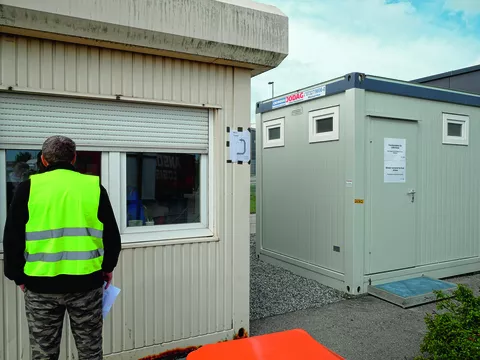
(137, 234)
(3, 194)
(203, 229)
(113, 177)
(274, 123)
(329, 112)
(463, 120)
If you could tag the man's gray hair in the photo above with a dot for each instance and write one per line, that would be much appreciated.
(57, 149)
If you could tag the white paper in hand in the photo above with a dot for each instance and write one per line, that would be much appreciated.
(109, 296)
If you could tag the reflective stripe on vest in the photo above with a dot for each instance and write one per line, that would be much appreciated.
(57, 233)
(65, 255)
(63, 233)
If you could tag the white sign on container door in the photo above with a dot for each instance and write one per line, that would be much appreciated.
(395, 161)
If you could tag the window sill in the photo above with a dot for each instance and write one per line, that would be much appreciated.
(315, 140)
(133, 245)
(177, 236)
(149, 229)
(453, 141)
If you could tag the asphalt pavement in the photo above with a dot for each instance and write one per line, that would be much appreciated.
(363, 328)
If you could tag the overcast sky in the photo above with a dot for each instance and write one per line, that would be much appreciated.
(401, 39)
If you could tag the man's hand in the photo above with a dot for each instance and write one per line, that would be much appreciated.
(22, 287)
(108, 278)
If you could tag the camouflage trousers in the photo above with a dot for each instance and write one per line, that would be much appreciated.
(45, 315)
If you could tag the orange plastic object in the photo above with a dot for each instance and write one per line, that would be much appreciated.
(286, 345)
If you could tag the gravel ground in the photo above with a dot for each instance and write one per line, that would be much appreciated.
(275, 291)
(362, 328)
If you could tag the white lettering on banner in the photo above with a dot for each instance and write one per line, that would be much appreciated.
(299, 97)
(395, 160)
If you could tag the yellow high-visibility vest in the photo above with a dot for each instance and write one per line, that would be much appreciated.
(63, 234)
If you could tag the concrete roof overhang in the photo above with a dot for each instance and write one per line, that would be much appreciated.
(240, 33)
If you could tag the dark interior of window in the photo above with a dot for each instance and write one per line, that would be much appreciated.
(274, 133)
(324, 125)
(454, 129)
(163, 188)
(21, 164)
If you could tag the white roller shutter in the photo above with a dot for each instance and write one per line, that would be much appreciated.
(30, 119)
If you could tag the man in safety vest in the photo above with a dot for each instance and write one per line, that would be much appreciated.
(61, 242)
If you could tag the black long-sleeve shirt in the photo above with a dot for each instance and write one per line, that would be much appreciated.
(14, 246)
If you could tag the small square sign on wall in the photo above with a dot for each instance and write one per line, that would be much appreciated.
(240, 146)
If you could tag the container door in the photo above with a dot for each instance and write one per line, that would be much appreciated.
(391, 199)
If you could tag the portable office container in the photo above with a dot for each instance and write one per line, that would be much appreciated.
(365, 180)
(147, 89)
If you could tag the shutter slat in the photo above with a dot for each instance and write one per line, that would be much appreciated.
(29, 119)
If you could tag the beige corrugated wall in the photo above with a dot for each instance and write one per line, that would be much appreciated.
(170, 293)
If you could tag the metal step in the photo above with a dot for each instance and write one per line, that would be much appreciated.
(411, 292)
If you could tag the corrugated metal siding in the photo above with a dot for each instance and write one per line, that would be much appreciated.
(447, 191)
(168, 292)
(28, 119)
(303, 190)
(42, 64)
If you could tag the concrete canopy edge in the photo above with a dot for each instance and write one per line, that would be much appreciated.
(208, 31)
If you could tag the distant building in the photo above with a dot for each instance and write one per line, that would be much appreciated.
(466, 79)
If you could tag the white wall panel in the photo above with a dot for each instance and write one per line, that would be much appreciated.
(169, 292)
(21, 59)
(34, 70)
(448, 211)
(42, 64)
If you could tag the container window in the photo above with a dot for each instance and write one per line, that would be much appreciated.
(273, 133)
(455, 129)
(165, 196)
(324, 125)
(162, 189)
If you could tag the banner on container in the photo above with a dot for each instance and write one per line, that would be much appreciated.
(299, 97)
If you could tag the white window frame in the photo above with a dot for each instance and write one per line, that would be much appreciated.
(330, 112)
(3, 195)
(164, 232)
(203, 229)
(456, 119)
(274, 123)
